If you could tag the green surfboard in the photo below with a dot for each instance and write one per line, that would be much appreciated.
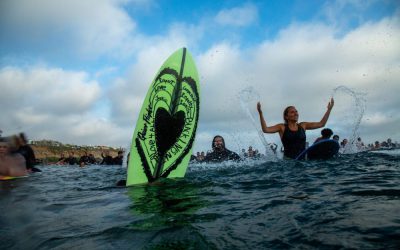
(166, 128)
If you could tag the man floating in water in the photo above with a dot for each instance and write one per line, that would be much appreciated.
(220, 152)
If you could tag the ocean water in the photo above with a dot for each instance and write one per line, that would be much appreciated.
(352, 202)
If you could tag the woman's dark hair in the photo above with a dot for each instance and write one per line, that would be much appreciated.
(213, 141)
(23, 137)
(285, 112)
(326, 132)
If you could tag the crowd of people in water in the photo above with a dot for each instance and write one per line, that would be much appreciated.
(18, 159)
(220, 153)
(293, 137)
(252, 154)
(89, 159)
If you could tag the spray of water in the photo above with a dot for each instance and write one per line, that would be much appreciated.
(356, 116)
(248, 98)
(125, 158)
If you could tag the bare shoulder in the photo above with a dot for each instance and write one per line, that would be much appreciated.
(275, 128)
(303, 125)
(281, 127)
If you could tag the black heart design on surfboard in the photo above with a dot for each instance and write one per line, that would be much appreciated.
(168, 128)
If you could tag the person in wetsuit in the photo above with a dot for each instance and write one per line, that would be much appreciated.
(326, 133)
(71, 160)
(11, 164)
(292, 133)
(220, 152)
(84, 159)
(27, 152)
(107, 159)
(119, 158)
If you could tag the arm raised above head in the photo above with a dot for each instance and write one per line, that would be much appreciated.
(264, 127)
(320, 124)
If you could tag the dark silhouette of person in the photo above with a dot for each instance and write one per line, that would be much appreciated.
(219, 152)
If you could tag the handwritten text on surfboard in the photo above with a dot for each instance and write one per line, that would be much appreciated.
(161, 97)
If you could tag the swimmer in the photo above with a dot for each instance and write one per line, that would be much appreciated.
(119, 158)
(220, 152)
(71, 160)
(11, 164)
(292, 133)
(27, 152)
(326, 133)
(61, 160)
(107, 159)
(336, 138)
(84, 159)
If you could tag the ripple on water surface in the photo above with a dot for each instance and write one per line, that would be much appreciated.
(349, 202)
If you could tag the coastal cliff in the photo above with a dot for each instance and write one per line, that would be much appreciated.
(50, 151)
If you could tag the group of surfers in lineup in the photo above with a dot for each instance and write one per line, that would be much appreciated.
(89, 159)
(292, 134)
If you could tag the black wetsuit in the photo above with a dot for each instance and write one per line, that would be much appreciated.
(223, 155)
(107, 160)
(118, 160)
(29, 156)
(71, 160)
(294, 142)
(84, 159)
(92, 160)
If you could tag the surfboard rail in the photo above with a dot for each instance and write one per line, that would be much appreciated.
(330, 149)
(6, 178)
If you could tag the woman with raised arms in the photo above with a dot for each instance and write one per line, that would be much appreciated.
(292, 133)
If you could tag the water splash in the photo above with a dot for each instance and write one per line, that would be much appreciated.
(356, 116)
(248, 98)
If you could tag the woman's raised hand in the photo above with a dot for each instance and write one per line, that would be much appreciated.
(331, 103)
(259, 107)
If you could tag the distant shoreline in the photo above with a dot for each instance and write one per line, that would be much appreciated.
(50, 151)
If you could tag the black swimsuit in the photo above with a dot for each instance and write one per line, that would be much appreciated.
(294, 142)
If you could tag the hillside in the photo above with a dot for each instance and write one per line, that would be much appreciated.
(51, 150)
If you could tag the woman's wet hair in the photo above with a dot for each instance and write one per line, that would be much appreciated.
(23, 137)
(285, 113)
(213, 141)
(5, 142)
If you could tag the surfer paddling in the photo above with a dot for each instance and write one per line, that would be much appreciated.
(292, 133)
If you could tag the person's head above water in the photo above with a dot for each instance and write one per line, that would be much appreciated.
(326, 133)
(290, 114)
(218, 143)
(3, 146)
(23, 139)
